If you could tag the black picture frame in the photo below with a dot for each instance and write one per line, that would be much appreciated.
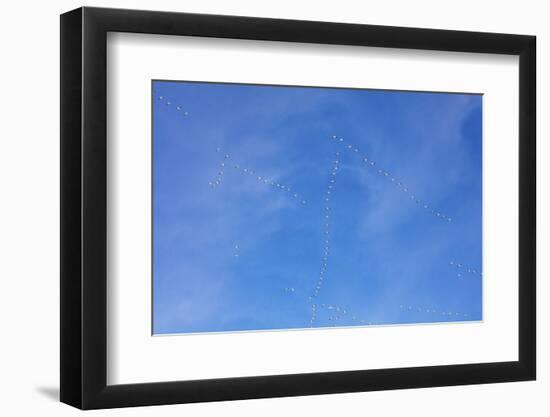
(84, 207)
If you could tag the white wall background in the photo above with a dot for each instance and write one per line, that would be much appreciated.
(29, 211)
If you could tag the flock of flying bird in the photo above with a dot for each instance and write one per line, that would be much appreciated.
(337, 314)
(251, 173)
(368, 162)
(326, 236)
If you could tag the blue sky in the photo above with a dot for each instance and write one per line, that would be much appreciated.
(293, 207)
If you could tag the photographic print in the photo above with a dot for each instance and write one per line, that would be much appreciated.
(299, 207)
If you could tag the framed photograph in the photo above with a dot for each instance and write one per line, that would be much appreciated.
(259, 208)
